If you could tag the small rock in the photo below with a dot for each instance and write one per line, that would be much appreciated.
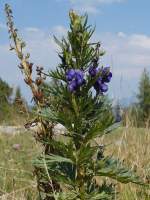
(16, 147)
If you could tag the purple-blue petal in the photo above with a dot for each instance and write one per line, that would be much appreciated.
(79, 72)
(72, 86)
(106, 69)
(103, 87)
(75, 79)
(99, 80)
(69, 77)
(107, 77)
(70, 74)
(93, 71)
(79, 81)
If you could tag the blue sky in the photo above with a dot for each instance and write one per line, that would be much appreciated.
(122, 26)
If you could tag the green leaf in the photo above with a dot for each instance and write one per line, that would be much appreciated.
(69, 195)
(85, 154)
(56, 159)
(99, 196)
(114, 169)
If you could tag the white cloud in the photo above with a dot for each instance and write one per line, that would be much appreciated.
(31, 29)
(129, 50)
(3, 26)
(42, 49)
(59, 30)
(86, 9)
(121, 34)
(128, 54)
(142, 41)
(91, 6)
(41, 46)
(96, 1)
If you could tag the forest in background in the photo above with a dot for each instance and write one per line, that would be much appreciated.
(13, 107)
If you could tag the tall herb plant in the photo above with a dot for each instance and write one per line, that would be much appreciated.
(72, 166)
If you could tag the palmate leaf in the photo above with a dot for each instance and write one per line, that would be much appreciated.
(55, 159)
(69, 195)
(65, 179)
(100, 128)
(48, 114)
(75, 196)
(114, 169)
(85, 154)
(62, 149)
(57, 168)
(98, 196)
(57, 117)
(95, 188)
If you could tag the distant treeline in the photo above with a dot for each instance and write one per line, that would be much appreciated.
(13, 107)
(138, 113)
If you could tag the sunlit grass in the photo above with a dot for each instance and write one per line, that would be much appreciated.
(132, 146)
(16, 172)
(17, 181)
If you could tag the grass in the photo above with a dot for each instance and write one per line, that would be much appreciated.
(16, 178)
(132, 146)
(17, 181)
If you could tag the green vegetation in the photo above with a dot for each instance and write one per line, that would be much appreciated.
(73, 168)
(144, 98)
(139, 112)
(5, 94)
(17, 181)
(13, 110)
(16, 173)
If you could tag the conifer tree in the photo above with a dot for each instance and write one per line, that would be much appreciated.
(19, 103)
(144, 97)
(5, 92)
(18, 96)
(5, 100)
(73, 166)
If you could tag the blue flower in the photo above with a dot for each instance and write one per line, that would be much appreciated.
(93, 71)
(100, 86)
(106, 74)
(79, 77)
(70, 74)
(75, 78)
(103, 87)
(97, 84)
(105, 77)
(72, 86)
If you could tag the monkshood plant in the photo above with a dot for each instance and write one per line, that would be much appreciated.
(72, 166)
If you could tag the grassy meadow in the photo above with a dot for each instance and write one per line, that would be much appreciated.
(17, 181)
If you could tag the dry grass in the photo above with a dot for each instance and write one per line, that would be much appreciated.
(16, 178)
(132, 146)
(18, 183)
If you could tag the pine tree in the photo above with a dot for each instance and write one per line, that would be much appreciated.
(18, 96)
(144, 98)
(5, 92)
(5, 100)
(19, 103)
(73, 165)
